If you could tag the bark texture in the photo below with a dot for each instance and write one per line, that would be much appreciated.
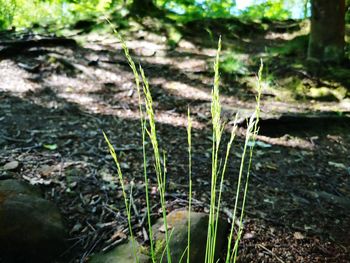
(327, 40)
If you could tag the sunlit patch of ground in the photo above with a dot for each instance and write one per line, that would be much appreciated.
(14, 79)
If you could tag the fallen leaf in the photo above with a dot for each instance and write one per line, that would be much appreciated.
(162, 228)
(154, 190)
(271, 166)
(76, 228)
(118, 235)
(46, 170)
(124, 166)
(249, 235)
(298, 235)
(36, 180)
(11, 165)
(50, 147)
(337, 165)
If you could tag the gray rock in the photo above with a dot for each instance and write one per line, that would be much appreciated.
(31, 228)
(121, 254)
(15, 187)
(177, 224)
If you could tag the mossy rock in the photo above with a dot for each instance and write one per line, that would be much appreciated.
(15, 187)
(31, 228)
(122, 254)
(177, 222)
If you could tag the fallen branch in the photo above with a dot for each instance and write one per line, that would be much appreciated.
(271, 253)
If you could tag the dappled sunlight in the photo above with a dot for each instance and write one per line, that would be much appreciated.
(182, 63)
(94, 105)
(304, 30)
(87, 101)
(187, 91)
(145, 48)
(289, 141)
(76, 90)
(140, 47)
(193, 65)
(282, 36)
(210, 52)
(14, 79)
(193, 93)
(159, 60)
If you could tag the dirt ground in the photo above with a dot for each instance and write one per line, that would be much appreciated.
(57, 99)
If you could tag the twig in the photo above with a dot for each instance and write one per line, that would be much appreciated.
(28, 149)
(145, 214)
(117, 242)
(15, 140)
(89, 251)
(271, 253)
(139, 219)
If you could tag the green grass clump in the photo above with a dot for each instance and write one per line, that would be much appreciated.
(231, 64)
(148, 129)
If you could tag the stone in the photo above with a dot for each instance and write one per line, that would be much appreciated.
(31, 227)
(121, 254)
(11, 165)
(177, 222)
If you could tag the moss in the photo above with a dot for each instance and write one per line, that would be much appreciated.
(174, 36)
(300, 90)
(144, 250)
(327, 94)
(333, 53)
(292, 88)
(339, 74)
(159, 249)
(295, 47)
(232, 63)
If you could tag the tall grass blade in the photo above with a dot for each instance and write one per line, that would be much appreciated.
(216, 137)
(160, 173)
(251, 133)
(143, 132)
(127, 205)
(254, 120)
(189, 141)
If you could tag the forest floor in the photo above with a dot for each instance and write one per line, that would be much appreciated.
(58, 96)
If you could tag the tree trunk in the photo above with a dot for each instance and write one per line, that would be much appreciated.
(142, 7)
(327, 36)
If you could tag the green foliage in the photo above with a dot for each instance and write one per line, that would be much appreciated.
(199, 8)
(258, 9)
(7, 12)
(90, 7)
(25, 13)
(273, 9)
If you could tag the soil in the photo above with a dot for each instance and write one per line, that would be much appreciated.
(57, 99)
